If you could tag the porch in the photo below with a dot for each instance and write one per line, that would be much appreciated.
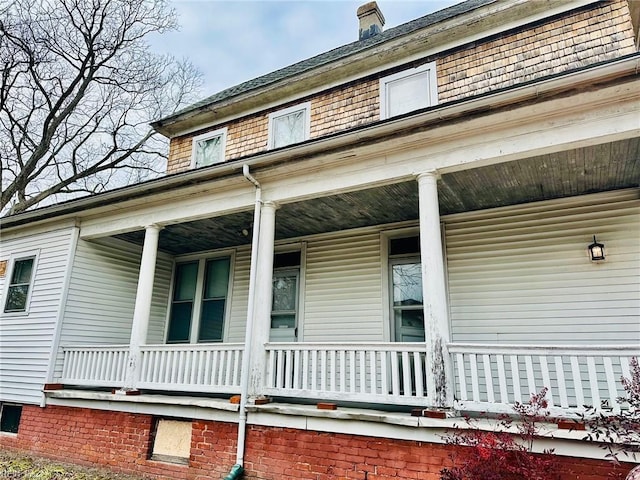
(486, 378)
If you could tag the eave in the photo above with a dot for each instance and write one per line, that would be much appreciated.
(339, 145)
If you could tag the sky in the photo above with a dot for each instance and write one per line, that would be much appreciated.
(234, 41)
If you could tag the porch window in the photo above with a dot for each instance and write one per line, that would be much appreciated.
(286, 285)
(406, 284)
(408, 90)
(198, 306)
(289, 126)
(19, 287)
(209, 148)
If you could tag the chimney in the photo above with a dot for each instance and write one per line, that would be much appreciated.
(371, 20)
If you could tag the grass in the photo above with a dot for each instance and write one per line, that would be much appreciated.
(22, 466)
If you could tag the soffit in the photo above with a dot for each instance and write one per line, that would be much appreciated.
(574, 172)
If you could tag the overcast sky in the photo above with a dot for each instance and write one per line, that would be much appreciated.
(234, 41)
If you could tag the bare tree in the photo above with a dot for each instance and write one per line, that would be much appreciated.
(78, 88)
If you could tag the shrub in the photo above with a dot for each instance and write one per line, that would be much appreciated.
(500, 455)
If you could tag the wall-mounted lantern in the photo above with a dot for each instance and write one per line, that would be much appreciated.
(596, 251)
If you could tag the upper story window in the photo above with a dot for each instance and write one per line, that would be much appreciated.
(208, 148)
(20, 283)
(290, 125)
(199, 301)
(408, 90)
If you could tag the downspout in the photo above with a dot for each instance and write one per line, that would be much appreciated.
(238, 470)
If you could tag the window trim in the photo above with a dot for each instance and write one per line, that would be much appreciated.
(433, 86)
(16, 257)
(220, 132)
(306, 106)
(202, 259)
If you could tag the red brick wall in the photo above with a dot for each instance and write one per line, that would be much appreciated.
(122, 442)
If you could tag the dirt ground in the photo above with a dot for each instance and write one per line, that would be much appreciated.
(19, 466)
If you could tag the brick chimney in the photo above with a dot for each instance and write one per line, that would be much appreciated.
(371, 20)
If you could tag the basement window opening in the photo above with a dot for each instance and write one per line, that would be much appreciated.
(10, 418)
(171, 441)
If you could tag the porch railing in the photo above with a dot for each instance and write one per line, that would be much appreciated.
(492, 377)
(192, 368)
(95, 365)
(206, 368)
(389, 373)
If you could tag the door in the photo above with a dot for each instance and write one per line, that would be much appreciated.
(284, 308)
(407, 308)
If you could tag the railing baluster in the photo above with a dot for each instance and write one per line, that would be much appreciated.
(384, 373)
(515, 373)
(488, 378)
(577, 381)
(406, 374)
(343, 371)
(214, 368)
(332, 369)
(271, 361)
(236, 367)
(296, 369)
(562, 385)
(502, 379)
(546, 378)
(531, 380)
(280, 370)
(417, 368)
(195, 355)
(228, 369)
(323, 370)
(462, 376)
(314, 370)
(352, 371)
(288, 370)
(475, 390)
(305, 370)
(611, 384)
(362, 371)
(395, 373)
(593, 382)
(373, 373)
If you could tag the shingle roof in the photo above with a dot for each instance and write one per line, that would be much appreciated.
(332, 55)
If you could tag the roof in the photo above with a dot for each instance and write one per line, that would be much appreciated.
(329, 57)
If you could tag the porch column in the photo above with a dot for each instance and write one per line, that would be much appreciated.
(439, 379)
(142, 308)
(262, 300)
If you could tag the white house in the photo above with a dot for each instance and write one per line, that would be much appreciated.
(402, 222)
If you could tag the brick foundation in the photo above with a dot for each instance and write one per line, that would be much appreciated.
(122, 441)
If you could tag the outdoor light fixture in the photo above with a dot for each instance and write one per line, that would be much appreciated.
(596, 251)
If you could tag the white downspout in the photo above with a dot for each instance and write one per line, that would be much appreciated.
(246, 358)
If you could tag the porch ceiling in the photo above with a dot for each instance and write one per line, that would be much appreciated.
(586, 170)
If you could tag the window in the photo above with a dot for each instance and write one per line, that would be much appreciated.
(209, 148)
(408, 90)
(19, 287)
(10, 418)
(199, 301)
(406, 289)
(290, 125)
(284, 307)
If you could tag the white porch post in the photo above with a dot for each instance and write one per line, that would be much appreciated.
(142, 307)
(439, 379)
(262, 299)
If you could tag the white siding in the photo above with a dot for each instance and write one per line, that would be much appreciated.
(102, 290)
(522, 275)
(26, 338)
(344, 289)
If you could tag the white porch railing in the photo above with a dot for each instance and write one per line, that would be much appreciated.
(205, 368)
(388, 373)
(492, 377)
(210, 367)
(95, 365)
